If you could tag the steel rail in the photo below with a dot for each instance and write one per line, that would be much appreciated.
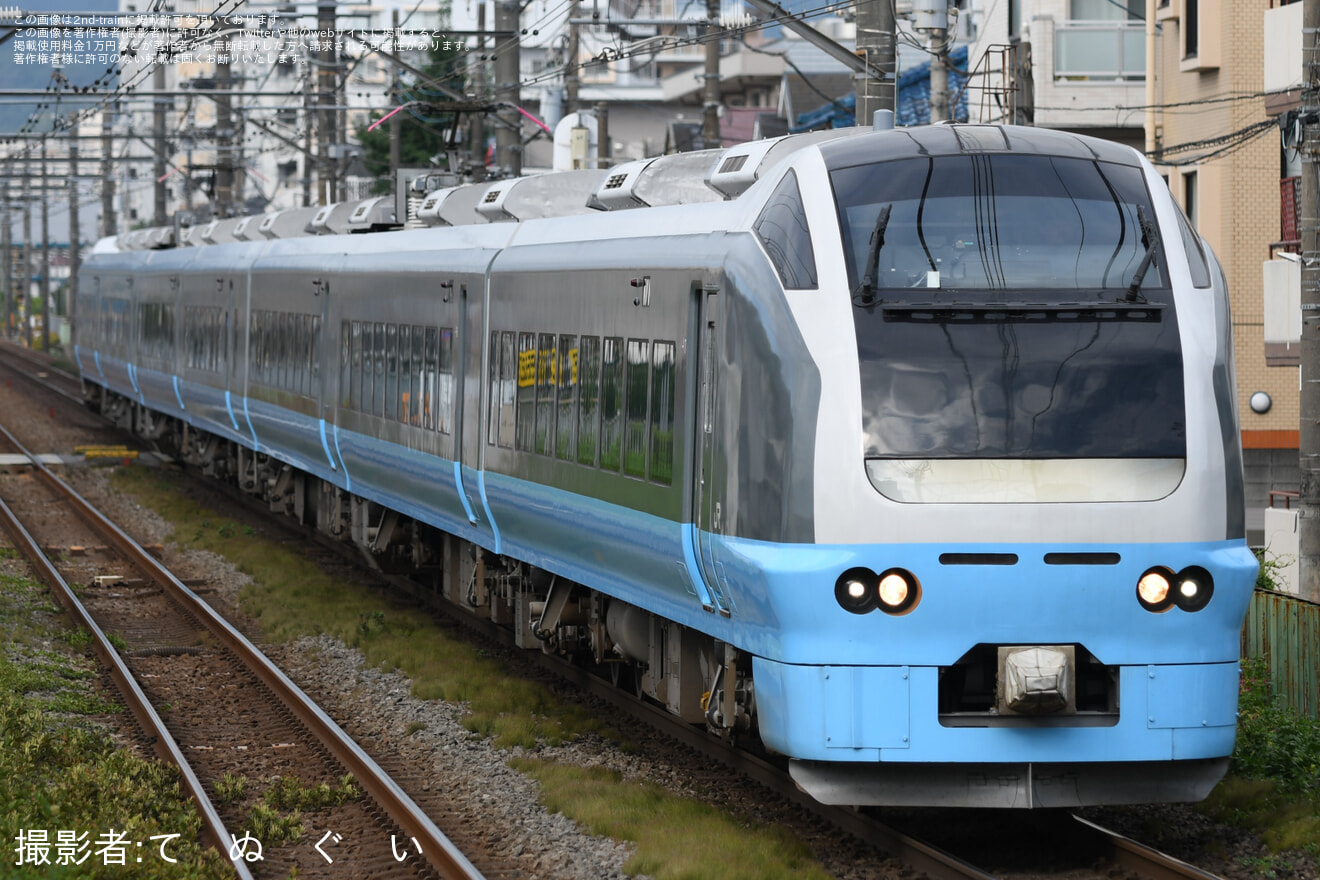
(162, 742)
(1147, 862)
(438, 850)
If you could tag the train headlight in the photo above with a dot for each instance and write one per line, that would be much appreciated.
(1194, 589)
(898, 591)
(1155, 590)
(855, 590)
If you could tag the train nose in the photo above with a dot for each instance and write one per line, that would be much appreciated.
(1036, 680)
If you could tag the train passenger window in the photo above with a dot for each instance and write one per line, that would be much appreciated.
(782, 228)
(508, 388)
(391, 371)
(565, 447)
(493, 390)
(378, 370)
(589, 396)
(611, 404)
(441, 398)
(547, 362)
(282, 331)
(355, 378)
(662, 413)
(634, 451)
(418, 374)
(315, 349)
(298, 354)
(346, 364)
(405, 374)
(525, 429)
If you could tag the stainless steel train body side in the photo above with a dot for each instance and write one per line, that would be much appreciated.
(215, 283)
(429, 278)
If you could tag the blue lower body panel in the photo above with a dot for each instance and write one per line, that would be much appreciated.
(885, 713)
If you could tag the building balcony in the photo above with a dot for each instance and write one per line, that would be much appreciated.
(1104, 51)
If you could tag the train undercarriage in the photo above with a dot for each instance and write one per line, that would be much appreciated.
(680, 668)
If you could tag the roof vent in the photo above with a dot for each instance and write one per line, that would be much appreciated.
(618, 191)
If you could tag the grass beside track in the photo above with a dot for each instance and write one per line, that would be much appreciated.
(62, 772)
(291, 597)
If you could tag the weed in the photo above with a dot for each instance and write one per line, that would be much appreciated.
(414, 727)
(8, 553)
(117, 641)
(1274, 743)
(230, 788)
(270, 826)
(226, 530)
(675, 837)
(249, 531)
(77, 638)
(288, 793)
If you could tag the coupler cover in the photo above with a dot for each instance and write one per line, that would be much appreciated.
(1037, 680)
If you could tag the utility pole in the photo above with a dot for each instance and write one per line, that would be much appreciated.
(26, 274)
(327, 178)
(224, 131)
(1308, 508)
(508, 90)
(107, 179)
(159, 103)
(75, 235)
(710, 93)
(7, 257)
(875, 43)
(308, 127)
(572, 81)
(477, 121)
(396, 92)
(933, 17)
(603, 152)
(45, 255)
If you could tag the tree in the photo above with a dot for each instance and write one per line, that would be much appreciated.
(424, 131)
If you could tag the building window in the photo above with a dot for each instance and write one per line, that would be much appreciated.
(1190, 28)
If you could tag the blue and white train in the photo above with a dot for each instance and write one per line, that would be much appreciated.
(910, 454)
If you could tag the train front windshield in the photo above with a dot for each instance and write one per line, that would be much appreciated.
(1008, 349)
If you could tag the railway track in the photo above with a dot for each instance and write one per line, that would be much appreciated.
(218, 731)
(932, 861)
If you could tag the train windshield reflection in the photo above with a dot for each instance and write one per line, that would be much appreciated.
(997, 223)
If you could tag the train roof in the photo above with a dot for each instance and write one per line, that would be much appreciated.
(950, 140)
(664, 181)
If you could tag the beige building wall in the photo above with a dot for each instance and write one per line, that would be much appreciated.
(1236, 201)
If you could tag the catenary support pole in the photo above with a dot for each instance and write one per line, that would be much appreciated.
(875, 42)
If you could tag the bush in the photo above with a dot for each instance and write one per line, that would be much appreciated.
(1272, 742)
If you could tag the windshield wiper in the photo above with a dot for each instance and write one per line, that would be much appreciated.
(864, 295)
(1152, 241)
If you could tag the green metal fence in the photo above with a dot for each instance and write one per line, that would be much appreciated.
(1285, 631)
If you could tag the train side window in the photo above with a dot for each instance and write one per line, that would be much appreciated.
(588, 365)
(315, 349)
(634, 445)
(378, 370)
(281, 341)
(405, 374)
(525, 429)
(662, 413)
(508, 389)
(547, 362)
(565, 447)
(441, 397)
(611, 404)
(346, 364)
(355, 368)
(298, 349)
(782, 228)
(493, 390)
(418, 374)
(391, 371)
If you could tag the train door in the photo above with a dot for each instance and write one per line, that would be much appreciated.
(469, 406)
(708, 486)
